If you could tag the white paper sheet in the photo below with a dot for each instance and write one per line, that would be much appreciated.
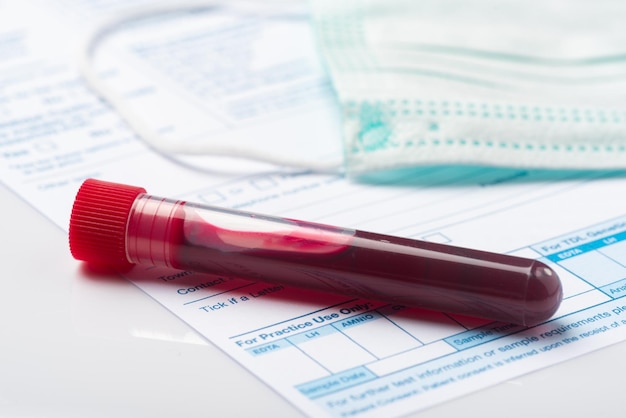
(328, 355)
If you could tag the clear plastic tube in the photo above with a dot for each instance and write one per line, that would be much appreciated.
(181, 235)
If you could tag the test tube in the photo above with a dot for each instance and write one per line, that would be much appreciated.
(122, 225)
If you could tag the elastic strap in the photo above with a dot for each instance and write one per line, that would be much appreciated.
(157, 141)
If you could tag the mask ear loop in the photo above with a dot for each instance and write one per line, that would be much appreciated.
(155, 140)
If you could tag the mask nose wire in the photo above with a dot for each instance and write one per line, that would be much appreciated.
(159, 143)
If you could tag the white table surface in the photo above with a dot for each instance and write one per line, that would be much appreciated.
(76, 343)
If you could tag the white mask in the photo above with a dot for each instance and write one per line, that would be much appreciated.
(490, 82)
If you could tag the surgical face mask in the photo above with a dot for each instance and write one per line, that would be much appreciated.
(489, 82)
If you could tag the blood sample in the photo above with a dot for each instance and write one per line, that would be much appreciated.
(122, 225)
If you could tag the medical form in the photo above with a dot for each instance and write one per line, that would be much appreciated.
(328, 355)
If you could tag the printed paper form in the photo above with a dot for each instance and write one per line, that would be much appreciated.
(337, 356)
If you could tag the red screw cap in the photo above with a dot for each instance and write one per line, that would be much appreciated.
(98, 222)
